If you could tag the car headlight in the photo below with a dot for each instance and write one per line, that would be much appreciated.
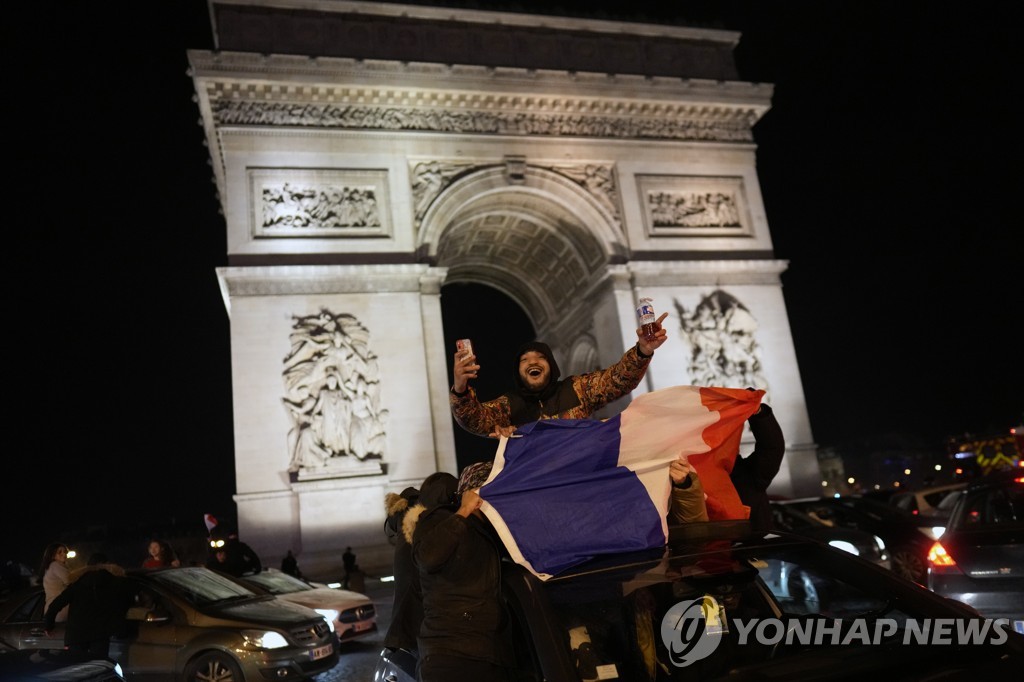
(845, 546)
(881, 545)
(264, 639)
(330, 615)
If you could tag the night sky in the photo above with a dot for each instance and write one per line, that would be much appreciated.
(889, 166)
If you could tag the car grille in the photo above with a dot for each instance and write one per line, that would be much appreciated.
(357, 614)
(311, 633)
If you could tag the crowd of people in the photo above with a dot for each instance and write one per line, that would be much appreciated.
(447, 612)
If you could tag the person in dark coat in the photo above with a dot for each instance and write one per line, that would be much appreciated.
(458, 556)
(290, 565)
(407, 606)
(98, 598)
(751, 475)
(233, 557)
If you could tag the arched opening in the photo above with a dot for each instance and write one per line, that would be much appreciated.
(497, 326)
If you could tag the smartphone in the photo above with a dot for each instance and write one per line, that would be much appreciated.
(464, 345)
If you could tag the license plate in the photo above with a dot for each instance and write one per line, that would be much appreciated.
(320, 652)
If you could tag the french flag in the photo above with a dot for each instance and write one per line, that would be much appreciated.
(565, 490)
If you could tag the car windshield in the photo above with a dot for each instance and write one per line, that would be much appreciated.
(621, 621)
(278, 583)
(199, 585)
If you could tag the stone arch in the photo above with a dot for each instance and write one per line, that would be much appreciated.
(543, 241)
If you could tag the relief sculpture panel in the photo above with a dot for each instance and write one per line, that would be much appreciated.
(332, 396)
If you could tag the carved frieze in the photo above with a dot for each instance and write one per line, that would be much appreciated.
(663, 123)
(319, 203)
(694, 206)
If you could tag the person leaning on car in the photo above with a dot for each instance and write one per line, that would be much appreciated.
(98, 598)
(458, 558)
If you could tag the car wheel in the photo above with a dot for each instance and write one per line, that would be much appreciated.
(214, 667)
(908, 564)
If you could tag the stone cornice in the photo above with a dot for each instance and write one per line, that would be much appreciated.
(706, 272)
(701, 112)
(290, 280)
(319, 73)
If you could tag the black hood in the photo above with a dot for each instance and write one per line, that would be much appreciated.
(438, 489)
(525, 405)
(556, 373)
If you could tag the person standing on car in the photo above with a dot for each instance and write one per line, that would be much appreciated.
(54, 573)
(98, 598)
(233, 557)
(458, 558)
(539, 393)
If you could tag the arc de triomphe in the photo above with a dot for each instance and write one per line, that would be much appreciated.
(367, 154)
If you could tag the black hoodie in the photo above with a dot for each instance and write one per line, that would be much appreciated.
(557, 396)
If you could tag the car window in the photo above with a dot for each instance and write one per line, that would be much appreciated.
(278, 583)
(994, 507)
(614, 627)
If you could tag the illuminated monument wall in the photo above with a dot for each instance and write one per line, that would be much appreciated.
(364, 160)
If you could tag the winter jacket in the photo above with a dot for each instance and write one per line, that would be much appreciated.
(459, 563)
(407, 607)
(575, 397)
(99, 596)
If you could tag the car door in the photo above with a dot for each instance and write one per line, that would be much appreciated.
(23, 627)
(153, 639)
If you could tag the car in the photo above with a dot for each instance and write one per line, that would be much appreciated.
(352, 614)
(29, 665)
(979, 560)
(932, 503)
(905, 541)
(191, 624)
(857, 542)
(720, 602)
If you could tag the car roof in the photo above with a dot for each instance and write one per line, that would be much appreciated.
(684, 540)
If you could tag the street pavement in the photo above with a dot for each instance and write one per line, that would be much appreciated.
(358, 658)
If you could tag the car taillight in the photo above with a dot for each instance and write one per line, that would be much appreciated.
(940, 561)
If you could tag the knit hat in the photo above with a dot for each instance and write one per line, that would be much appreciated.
(474, 476)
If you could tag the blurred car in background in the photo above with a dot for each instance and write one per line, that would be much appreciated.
(191, 624)
(352, 614)
(905, 541)
(979, 560)
(857, 542)
(930, 505)
(618, 616)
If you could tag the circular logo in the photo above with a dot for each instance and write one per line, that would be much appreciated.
(691, 630)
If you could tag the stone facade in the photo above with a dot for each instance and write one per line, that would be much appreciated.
(356, 185)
